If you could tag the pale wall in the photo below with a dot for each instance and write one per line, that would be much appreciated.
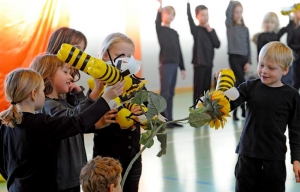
(97, 19)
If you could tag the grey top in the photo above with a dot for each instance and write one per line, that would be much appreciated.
(71, 155)
(237, 35)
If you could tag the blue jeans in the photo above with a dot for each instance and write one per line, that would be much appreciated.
(168, 77)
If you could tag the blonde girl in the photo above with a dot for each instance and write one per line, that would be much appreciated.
(71, 154)
(112, 141)
(29, 139)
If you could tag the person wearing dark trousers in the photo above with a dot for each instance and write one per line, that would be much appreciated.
(205, 41)
(238, 45)
(170, 58)
(272, 108)
(294, 44)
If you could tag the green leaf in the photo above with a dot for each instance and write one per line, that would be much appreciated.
(162, 138)
(145, 137)
(156, 104)
(140, 97)
(197, 119)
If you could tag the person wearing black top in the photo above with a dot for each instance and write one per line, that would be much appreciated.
(170, 58)
(271, 107)
(294, 43)
(28, 138)
(272, 33)
(205, 40)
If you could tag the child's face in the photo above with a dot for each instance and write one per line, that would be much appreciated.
(202, 17)
(118, 49)
(61, 80)
(270, 73)
(40, 97)
(269, 26)
(238, 14)
(167, 16)
(80, 46)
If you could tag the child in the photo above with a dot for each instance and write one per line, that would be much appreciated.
(238, 45)
(112, 141)
(170, 58)
(71, 155)
(77, 39)
(294, 44)
(272, 33)
(67, 178)
(205, 40)
(29, 139)
(271, 106)
(101, 174)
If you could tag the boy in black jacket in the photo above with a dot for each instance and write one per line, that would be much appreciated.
(170, 58)
(205, 40)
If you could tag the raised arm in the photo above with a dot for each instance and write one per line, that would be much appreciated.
(229, 15)
(158, 18)
(190, 19)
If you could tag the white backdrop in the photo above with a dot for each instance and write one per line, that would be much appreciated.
(97, 19)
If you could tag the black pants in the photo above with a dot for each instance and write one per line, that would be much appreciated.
(74, 189)
(296, 74)
(237, 64)
(259, 175)
(133, 178)
(202, 80)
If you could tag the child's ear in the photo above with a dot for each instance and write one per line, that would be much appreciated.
(111, 188)
(105, 57)
(33, 95)
(285, 71)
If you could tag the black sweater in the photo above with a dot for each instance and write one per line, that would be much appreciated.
(204, 43)
(269, 111)
(170, 51)
(294, 39)
(267, 37)
(71, 155)
(28, 147)
(121, 144)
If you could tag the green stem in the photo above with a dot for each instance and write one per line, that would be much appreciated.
(145, 146)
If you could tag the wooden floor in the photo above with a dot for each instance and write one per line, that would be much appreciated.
(197, 159)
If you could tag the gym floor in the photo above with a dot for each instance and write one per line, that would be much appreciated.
(200, 159)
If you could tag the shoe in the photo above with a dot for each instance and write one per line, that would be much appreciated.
(170, 125)
(176, 125)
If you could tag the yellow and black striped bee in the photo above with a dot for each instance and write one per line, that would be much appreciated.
(90, 65)
(226, 80)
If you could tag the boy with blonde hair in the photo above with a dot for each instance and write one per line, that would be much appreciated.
(170, 58)
(271, 107)
(101, 174)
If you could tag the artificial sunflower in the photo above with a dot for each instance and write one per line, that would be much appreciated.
(217, 107)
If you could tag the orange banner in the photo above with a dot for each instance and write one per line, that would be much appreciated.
(133, 28)
(25, 28)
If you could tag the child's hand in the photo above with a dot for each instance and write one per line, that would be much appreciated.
(183, 75)
(208, 28)
(136, 110)
(247, 67)
(73, 88)
(99, 86)
(106, 120)
(114, 91)
(296, 169)
(160, 5)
